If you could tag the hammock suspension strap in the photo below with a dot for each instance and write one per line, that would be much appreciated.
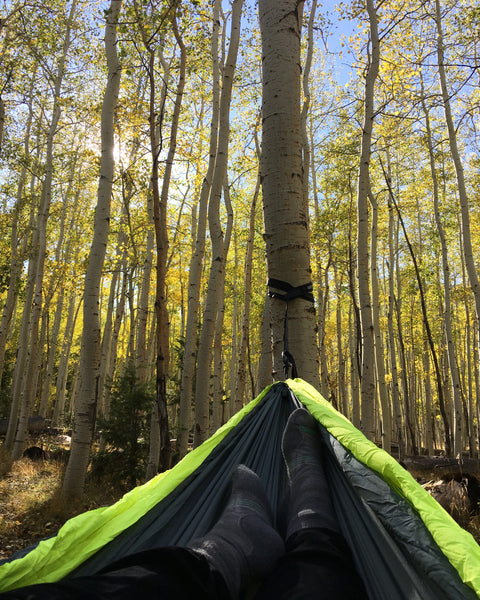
(289, 292)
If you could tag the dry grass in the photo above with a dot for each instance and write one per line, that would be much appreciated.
(473, 526)
(32, 507)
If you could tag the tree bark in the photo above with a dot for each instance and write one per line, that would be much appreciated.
(379, 347)
(162, 461)
(58, 419)
(462, 194)
(265, 363)
(285, 216)
(17, 249)
(196, 263)
(307, 162)
(215, 281)
(238, 392)
(86, 404)
(367, 381)
(218, 409)
(235, 346)
(447, 317)
(39, 247)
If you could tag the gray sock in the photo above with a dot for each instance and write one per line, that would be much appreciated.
(243, 545)
(310, 505)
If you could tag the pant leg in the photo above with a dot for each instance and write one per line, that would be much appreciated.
(318, 565)
(155, 574)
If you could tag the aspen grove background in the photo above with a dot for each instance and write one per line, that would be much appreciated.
(394, 216)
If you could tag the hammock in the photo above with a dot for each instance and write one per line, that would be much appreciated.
(404, 544)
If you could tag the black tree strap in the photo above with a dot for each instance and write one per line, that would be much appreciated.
(304, 291)
(289, 293)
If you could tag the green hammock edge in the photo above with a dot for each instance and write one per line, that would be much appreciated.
(457, 545)
(82, 536)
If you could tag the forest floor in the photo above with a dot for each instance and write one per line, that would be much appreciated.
(32, 507)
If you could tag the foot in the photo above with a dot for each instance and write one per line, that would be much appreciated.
(301, 444)
(310, 505)
(243, 546)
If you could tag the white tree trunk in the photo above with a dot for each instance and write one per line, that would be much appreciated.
(363, 272)
(58, 418)
(218, 409)
(86, 403)
(265, 363)
(285, 215)
(464, 210)
(237, 392)
(39, 247)
(395, 392)
(452, 357)
(234, 360)
(196, 263)
(379, 348)
(204, 361)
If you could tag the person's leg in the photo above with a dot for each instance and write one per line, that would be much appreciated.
(157, 574)
(241, 547)
(318, 563)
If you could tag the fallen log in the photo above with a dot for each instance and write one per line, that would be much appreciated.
(453, 482)
(36, 424)
(440, 467)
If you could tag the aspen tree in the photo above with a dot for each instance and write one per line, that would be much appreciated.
(234, 362)
(217, 236)
(237, 392)
(379, 348)
(285, 217)
(196, 262)
(367, 380)
(58, 418)
(447, 313)
(354, 327)
(39, 250)
(217, 373)
(463, 197)
(161, 239)
(398, 431)
(141, 357)
(342, 392)
(17, 252)
(86, 404)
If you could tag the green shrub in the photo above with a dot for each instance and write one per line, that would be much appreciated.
(126, 431)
